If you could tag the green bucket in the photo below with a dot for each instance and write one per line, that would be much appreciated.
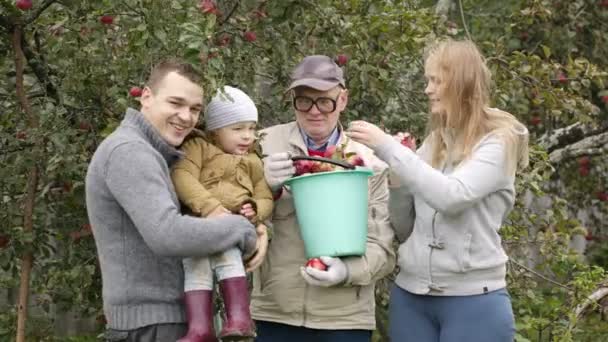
(331, 209)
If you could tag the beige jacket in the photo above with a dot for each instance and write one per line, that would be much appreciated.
(207, 177)
(281, 295)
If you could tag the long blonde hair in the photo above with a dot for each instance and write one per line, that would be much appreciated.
(465, 82)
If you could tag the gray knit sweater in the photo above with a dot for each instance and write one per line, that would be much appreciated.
(140, 234)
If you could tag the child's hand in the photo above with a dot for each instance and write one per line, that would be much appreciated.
(262, 243)
(248, 211)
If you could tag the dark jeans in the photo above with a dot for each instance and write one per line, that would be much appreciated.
(276, 332)
(170, 332)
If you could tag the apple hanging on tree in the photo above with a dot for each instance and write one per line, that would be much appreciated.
(106, 19)
(135, 91)
(24, 5)
(341, 59)
(250, 36)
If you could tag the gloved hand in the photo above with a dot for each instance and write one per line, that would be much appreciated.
(278, 168)
(335, 274)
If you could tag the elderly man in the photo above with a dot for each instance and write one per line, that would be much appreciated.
(292, 303)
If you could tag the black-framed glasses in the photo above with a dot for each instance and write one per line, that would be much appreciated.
(325, 105)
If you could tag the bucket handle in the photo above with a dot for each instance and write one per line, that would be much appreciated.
(325, 160)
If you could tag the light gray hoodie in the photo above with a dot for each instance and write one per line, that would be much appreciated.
(140, 234)
(447, 221)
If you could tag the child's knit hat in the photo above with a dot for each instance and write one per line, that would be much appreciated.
(229, 107)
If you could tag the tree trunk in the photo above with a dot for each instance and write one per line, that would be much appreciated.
(32, 184)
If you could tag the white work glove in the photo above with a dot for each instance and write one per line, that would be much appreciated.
(278, 168)
(335, 274)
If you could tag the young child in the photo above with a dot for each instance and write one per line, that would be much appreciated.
(221, 174)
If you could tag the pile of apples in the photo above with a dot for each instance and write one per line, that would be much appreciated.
(332, 152)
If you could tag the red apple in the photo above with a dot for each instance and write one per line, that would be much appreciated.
(135, 91)
(250, 36)
(303, 166)
(208, 7)
(535, 120)
(106, 19)
(561, 78)
(605, 97)
(409, 141)
(21, 135)
(583, 171)
(223, 40)
(602, 196)
(24, 5)
(4, 240)
(341, 59)
(66, 186)
(84, 126)
(604, 3)
(584, 161)
(316, 263)
(356, 161)
(330, 151)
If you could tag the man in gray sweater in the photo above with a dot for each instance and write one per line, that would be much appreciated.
(140, 234)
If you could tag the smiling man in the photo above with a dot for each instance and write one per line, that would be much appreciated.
(140, 234)
(291, 302)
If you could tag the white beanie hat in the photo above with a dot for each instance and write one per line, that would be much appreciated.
(228, 108)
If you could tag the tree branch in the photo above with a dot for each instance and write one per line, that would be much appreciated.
(596, 296)
(40, 70)
(464, 23)
(39, 9)
(527, 269)
(236, 5)
(568, 135)
(27, 259)
(592, 145)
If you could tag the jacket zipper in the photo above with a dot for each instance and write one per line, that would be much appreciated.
(304, 304)
(431, 252)
(432, 283)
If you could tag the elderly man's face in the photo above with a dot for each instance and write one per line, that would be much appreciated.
(318, 112)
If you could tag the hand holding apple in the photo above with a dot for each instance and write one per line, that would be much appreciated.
(335, 274)
(316, 263)
(367, 134)
(406, 139)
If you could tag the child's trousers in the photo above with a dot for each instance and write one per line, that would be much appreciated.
(198, 272)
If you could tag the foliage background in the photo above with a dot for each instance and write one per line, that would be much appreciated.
(550, 69)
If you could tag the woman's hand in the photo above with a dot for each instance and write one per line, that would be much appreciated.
(367, 134)
(258, 257)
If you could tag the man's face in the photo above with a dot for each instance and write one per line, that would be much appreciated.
(319, 121)
(173, 108)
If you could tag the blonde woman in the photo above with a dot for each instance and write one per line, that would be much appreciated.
(447, 203)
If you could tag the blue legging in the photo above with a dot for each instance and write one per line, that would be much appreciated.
(276, 332)
(477, 318)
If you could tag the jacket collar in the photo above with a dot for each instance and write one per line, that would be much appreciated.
(297, 139)
(135, 119)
